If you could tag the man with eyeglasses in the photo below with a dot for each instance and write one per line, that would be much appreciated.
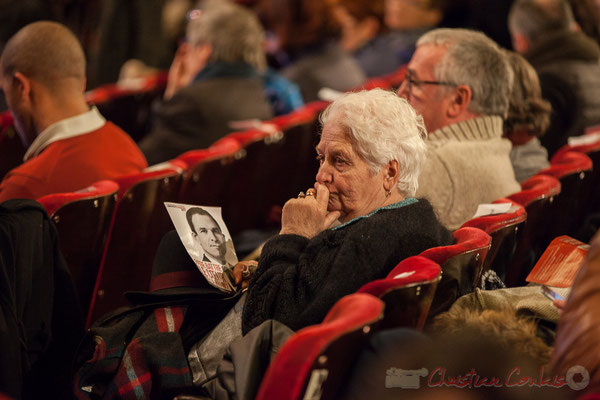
(460, 81)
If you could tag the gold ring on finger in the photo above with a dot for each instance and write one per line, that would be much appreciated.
(301, 195)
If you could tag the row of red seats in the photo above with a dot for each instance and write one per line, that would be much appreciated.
(228, 169)
(553, 202)
(217, 168)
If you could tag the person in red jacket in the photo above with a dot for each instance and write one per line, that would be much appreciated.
(69, 145)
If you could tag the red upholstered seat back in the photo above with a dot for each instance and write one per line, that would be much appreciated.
(537, 196)
(313, 362)
(208, 173)
(12, 149)
(396, 78)
(82, 220)
(139, 222)
(407, 292)
(469, 250)
(588, 148)
(573, 170)
(567, 163)
(249, 175)
(493, 223)
(129, 106)
(128, 183)
(504, 230)
(6, 119)
(93, 194)
(536, 188)
(376, 83)
(275, 163)
(592, 150)
(391, 81)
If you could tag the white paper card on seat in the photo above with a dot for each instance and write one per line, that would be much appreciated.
(492, 209)
(584, 139)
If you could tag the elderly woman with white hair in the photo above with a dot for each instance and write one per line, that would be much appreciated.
(358, 221)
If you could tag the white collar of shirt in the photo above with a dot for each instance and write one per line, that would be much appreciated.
(67, 128)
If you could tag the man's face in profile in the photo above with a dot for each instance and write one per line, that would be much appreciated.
(209, 235)
(431, 100)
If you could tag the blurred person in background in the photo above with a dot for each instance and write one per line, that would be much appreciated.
(407, 21)
(587, 16)
(306, 37)
(567, 63)
(528, 118)
(214, 80)
(363, 36)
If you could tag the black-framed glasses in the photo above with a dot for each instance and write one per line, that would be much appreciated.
(411, 81)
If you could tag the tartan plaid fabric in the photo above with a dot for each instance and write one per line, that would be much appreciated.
(134, 354)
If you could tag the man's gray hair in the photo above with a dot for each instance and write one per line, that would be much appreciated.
(383, 127)
(533, 18)
(474, 60)
(235, 34)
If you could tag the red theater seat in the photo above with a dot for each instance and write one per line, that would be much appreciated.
(275, 164)
(313, 363)
(537, 196)
(12, 149)
(376, 83)
(395, 78)
(574, 171)
(592, 150)
(462, 266)
(504, 230)
(467, 253)
(139, 222)
(129, 106)
(407, 292)
(82, 219)
(208, 173)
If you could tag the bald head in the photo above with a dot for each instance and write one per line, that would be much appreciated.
(47, 52)
(534, 18)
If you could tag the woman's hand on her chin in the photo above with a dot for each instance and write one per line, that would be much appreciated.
(307, 216)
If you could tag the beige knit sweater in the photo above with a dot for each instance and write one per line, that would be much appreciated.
(468, 164)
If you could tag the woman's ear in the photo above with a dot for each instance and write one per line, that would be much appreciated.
(390, 175)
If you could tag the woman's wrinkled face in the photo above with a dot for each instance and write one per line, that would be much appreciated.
(354, 188)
